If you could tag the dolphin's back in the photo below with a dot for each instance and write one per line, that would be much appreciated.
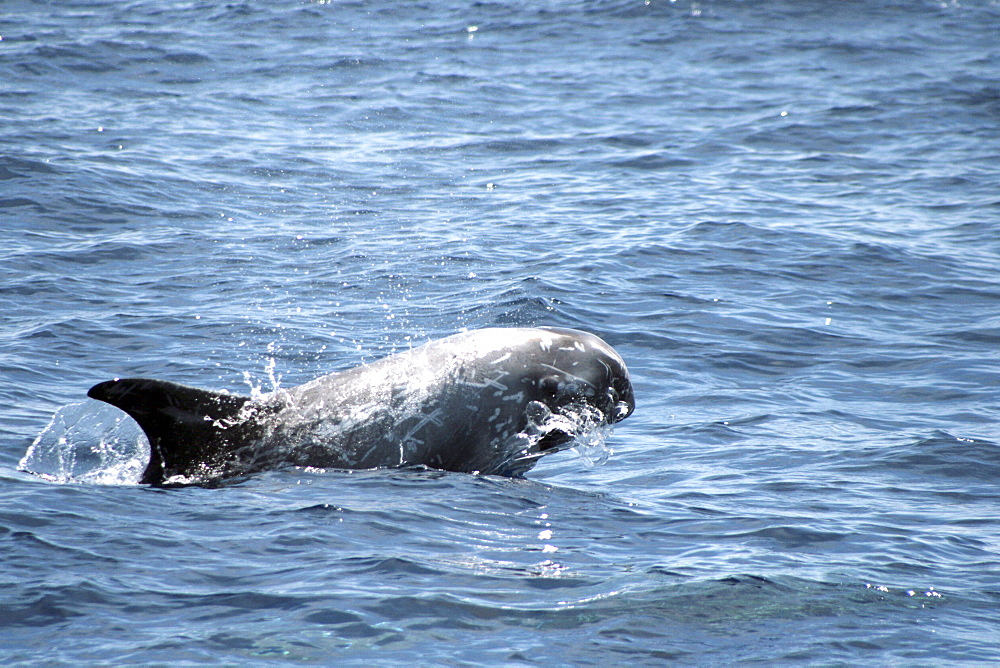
(189, 430)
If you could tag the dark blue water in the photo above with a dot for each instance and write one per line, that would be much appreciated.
(784, 215)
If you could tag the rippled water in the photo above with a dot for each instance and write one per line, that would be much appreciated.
(783, 215)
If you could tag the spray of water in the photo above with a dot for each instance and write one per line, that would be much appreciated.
(88, 442)
(583, 425)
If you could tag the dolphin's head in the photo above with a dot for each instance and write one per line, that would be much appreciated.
(580, 383)
(583, 368)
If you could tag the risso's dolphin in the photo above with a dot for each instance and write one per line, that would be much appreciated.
(490, 401)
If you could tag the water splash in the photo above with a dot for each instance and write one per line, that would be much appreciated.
(592, 445)
(581, 424)
(257, 390)
(88, 442)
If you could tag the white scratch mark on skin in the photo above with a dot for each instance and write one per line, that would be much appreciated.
(490, 382)
(410, 439)
(368, 453)
(603, 347)
(501, 359)
(430, 418)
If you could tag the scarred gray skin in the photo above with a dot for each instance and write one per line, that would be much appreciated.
(468, 403)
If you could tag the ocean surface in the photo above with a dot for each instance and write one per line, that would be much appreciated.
(784, 215)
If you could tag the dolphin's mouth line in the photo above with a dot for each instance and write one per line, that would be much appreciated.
(554, 440)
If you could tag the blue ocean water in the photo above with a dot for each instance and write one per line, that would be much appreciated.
(784, 216)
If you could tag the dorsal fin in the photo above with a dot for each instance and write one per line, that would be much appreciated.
(192, 432)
